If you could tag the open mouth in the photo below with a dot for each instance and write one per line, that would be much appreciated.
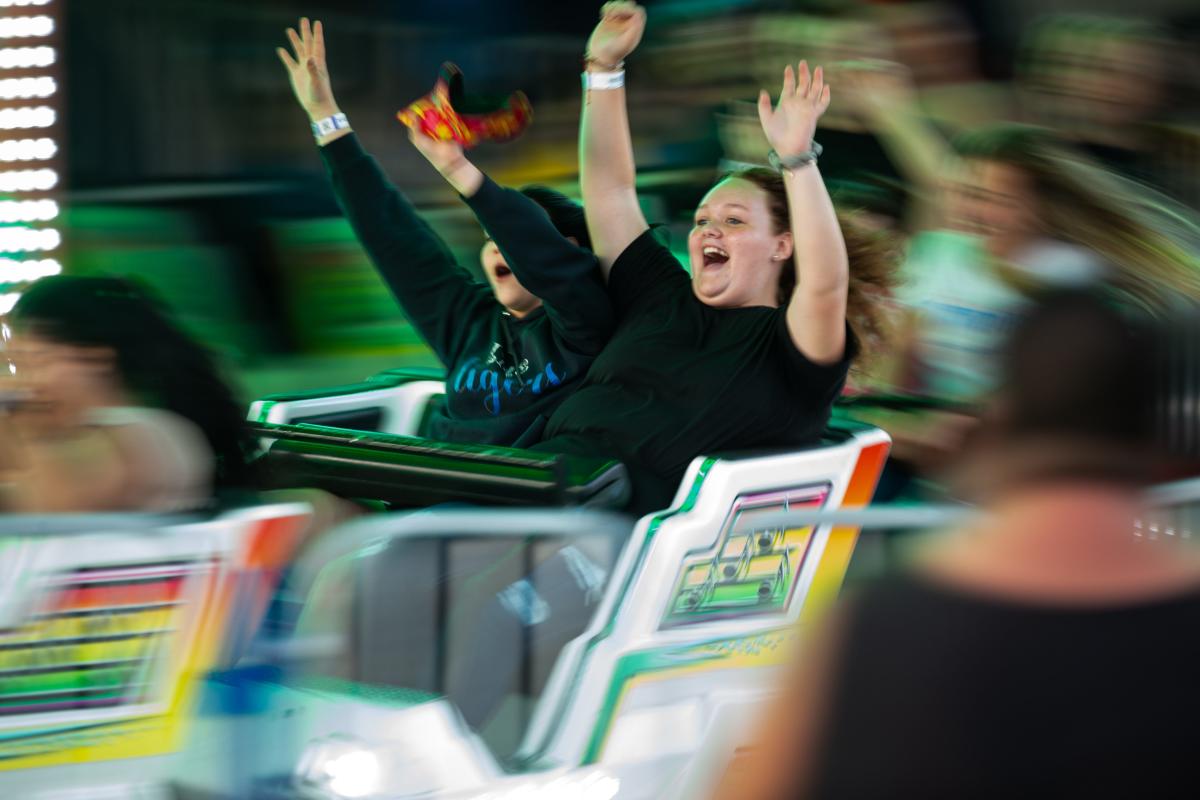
(714, 256)
(502, 272)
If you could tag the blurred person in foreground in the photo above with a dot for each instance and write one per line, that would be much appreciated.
(1046, 648)
(112, 408)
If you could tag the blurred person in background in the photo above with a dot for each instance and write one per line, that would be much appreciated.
(1044, 650)
(514, 347)
(1024, 215)
(1004, 213)
(752, 348)
(115, 408)
(1111, 86)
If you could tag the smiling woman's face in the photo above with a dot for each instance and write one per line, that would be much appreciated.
(735, 252)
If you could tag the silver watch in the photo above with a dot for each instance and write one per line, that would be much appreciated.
(809, 156)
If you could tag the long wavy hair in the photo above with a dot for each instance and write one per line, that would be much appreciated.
(158, 365)
(1152, 241)
(873, 257)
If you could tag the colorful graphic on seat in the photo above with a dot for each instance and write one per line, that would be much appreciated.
(751, 570)
(103, 635)
(96, 640)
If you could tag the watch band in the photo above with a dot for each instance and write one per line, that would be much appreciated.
(809, 156)
(330, 124)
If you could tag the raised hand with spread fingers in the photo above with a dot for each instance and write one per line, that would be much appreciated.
(789, 125)
(307, 70)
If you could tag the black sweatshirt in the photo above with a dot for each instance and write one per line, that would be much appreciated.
(504, 376)
(681, 379)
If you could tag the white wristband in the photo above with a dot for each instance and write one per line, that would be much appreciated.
(323, 127)
(603, 80)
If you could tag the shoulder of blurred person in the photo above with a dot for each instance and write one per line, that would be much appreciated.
(128, 459)
(170, 465)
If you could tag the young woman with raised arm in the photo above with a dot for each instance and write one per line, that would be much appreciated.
(753, 347)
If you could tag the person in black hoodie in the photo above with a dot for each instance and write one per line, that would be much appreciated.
(512, 350)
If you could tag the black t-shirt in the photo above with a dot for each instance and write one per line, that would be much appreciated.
(942, 694)
(504, 376)
(679, 379)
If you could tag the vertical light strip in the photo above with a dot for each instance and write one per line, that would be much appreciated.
(31, 146)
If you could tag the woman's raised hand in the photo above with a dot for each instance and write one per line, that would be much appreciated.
(307, 71)
(621, 26)
(789, 125)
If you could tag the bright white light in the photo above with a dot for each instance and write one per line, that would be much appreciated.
(28, 149)
(28, 180)
(25, 27)
(14, 240)
(7, 301)
(27, 117)
(28, 210)
(13, 271)
(11, 3)
(354, 774)
(21, 88)
(25, 57)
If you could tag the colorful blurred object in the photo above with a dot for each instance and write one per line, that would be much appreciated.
(449, 114)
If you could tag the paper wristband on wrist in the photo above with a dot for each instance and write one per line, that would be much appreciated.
(786, 163)
(603, 80)
(323, 127)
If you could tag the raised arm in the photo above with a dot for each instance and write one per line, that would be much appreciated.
(552, 267)
(309, 76)
(607, 175)
(882, 96)
(438, 296)
(816, 312)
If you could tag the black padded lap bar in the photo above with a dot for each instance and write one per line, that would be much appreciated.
(409, 471)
